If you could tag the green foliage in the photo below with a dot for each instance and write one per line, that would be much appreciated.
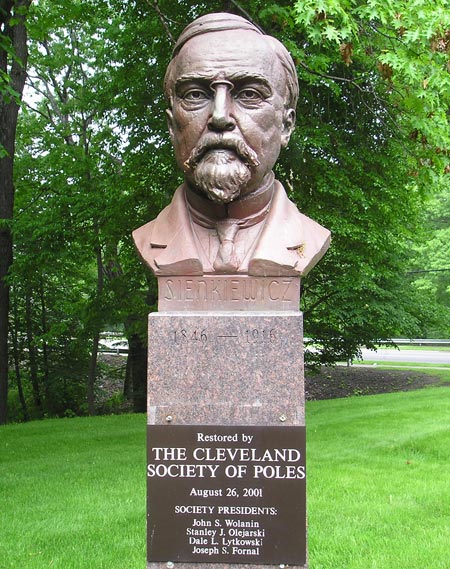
(67, 163)
(430, 272)
(9, 17)
(398, 49)
(114, 405)
(369, 146)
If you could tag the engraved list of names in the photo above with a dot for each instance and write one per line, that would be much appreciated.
(226, 494)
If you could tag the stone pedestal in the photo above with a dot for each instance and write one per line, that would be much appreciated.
(226, 369)
(218, 380)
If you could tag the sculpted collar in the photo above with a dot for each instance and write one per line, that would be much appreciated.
(247, 211)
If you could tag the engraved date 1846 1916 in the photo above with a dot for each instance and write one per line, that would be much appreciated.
(250, 336)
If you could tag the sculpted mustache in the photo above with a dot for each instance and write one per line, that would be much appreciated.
(212, 142)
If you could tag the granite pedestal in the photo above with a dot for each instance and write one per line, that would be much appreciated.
(233, 374)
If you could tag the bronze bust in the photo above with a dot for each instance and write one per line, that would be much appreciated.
(232, 93)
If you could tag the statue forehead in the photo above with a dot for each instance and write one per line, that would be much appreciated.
(228, 53)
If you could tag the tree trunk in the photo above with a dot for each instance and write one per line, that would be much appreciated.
(136, 372)
(137, 360)
(92, 374)
(5, 263)
(16, 358)
(96, 338)
(128, 382)
(15, 69)
(32, 355)
(46, 370)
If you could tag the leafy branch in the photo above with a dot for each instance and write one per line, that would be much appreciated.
(162, 19)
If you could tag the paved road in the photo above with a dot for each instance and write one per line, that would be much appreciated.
(417, 356)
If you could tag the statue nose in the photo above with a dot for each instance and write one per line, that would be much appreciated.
(221, 117)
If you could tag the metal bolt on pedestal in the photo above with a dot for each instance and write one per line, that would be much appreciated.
(170, 565)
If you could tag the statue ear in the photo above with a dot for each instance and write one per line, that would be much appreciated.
(288, 126)
(169, 116)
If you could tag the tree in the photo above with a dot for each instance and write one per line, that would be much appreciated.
(13, 60)
(73, 216)
(430, 270)
(69, 163)
(371, 143)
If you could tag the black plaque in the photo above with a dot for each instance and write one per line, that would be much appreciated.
(226, 494)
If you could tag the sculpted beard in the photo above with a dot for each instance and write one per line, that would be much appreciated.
(221, 167)
(221, 175)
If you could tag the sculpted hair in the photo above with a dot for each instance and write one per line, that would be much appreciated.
(222, 22)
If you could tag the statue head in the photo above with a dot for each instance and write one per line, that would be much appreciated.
(232, 93)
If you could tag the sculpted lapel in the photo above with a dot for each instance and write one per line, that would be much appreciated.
(285, 246)
(167, 243)
(290, 243)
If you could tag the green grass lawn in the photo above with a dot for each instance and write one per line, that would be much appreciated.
(73, 490)
(73, 493)
(379, 481)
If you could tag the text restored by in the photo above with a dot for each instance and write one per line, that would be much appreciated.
(226, 494)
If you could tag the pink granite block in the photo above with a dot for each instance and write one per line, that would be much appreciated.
(226, 368)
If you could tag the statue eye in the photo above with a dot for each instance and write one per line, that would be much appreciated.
(248, 95)
(195, 96)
